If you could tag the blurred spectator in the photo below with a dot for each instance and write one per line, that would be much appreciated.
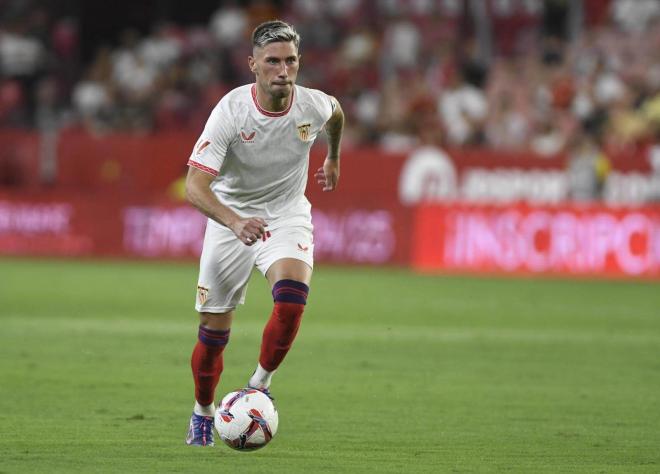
(463, 106)
(507, 126)
(229, 24)
(548, 140)
(135, 80)
(626, 126)
(12, 98)
(22, 59)
(401, 47)
(588, 166)
(92, 96)
(635, 15)
(21, 56)
(161, 49)
(654, 161)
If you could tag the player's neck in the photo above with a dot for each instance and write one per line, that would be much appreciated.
(272, 104)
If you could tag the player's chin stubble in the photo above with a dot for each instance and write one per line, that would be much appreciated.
(278, 92)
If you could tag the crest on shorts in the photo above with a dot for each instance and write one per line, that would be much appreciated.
(202, 294)
(303, 131)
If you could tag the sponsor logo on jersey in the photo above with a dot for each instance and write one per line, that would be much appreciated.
(248, 137)
(303, 131)
(202, 147)
(202, 294)
(303, 248)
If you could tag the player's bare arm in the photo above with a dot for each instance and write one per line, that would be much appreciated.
(198, 192)
(328, 175)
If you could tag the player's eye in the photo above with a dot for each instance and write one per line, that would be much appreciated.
(272, 61)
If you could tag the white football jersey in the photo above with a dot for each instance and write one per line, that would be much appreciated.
(260, 159)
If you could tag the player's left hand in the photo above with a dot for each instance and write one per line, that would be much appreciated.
(328, 175)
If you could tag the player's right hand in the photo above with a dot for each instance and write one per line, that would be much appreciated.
(328, 175)
(250, 229)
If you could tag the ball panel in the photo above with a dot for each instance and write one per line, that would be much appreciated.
(246, 419)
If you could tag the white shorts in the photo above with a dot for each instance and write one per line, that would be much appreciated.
(226, 263)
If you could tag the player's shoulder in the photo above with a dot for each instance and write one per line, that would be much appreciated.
(306, 94)
(232, 105)
(315, 99)
(238, 97)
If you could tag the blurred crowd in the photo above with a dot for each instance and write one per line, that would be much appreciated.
(517, 75)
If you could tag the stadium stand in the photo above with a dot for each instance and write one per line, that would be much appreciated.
(398, 66)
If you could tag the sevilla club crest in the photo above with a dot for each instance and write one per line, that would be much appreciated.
(303, 131)
(202, 294)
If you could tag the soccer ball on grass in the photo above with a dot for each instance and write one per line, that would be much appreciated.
(246, 420)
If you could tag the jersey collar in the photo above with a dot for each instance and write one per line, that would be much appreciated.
(266, 112)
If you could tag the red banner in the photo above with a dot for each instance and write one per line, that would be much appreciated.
(520, 239)
(566, 240)
(144, 166)
(73, 226)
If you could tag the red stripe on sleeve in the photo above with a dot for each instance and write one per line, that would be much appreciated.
(200, 166)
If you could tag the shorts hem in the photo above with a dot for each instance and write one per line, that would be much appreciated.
(309, 262)
(215, 309)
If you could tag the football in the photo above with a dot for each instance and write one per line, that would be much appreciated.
(246, 420)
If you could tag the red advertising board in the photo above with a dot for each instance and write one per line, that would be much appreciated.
(566, 240)
(68, 225)
(471, 210)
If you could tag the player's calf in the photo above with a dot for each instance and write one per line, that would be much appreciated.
(206, 364)
(289, 298)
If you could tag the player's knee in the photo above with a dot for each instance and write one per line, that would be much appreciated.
(216, 321)
(290, 291)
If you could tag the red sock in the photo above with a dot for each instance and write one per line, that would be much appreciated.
(206, 363)
(290, 298)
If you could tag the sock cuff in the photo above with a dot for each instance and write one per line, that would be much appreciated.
(290, 291)
(212, 337)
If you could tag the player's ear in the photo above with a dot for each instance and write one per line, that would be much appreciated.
(252, 63)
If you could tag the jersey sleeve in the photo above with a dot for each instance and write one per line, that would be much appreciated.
(325, 105)
(211, 147)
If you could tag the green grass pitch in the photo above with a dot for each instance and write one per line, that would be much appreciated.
(391, 372)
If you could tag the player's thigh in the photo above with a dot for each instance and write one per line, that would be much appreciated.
(287, 254)
(224, 270)
(289, 269)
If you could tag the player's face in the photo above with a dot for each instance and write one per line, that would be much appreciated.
(275, 67)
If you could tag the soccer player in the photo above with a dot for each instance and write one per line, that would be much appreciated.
(247, 173)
